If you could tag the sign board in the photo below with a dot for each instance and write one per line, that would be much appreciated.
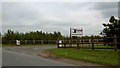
(17, 42)
(60, 41)
(76, 31)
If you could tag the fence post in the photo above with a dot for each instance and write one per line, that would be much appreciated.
(64, 43)
(58, 44)
(115, 41)
(89, 42)
(77, 43)
(82, 42)
(92, 40)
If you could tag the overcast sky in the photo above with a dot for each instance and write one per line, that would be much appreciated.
(57, 16)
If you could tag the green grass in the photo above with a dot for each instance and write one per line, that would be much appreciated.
(100, 56)
(100, 47)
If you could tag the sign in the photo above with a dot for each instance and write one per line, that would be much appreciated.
(76, 31)
(60, 43)
(17, 42)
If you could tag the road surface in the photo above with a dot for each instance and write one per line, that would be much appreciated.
(31, 56)
(0, 56)
(11, 58)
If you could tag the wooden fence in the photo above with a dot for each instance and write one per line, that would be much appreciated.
(90, 41)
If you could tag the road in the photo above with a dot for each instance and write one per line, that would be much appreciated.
(31, 56)
(11, 58)
(0, 56)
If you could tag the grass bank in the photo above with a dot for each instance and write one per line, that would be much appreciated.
(100, 56)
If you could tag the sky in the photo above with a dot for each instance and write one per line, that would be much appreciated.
(56, 16)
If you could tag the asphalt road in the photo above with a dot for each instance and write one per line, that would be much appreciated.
(0, 56)
(11, 58)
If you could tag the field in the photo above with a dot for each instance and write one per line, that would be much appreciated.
(101, 56)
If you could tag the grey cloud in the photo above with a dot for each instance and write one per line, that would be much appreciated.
(107, 8)
(70, 24)
(15, 14)
(106, 5)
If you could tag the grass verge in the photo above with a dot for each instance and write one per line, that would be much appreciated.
(100, 56)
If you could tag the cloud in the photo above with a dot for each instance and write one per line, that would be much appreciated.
(107, 8)
(0, 17)
(60, 0)
(54, 16)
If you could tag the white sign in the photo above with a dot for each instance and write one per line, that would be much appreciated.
(17, 42)
(60, 41)
(76, 31)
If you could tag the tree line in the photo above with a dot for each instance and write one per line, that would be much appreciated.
(32, 35)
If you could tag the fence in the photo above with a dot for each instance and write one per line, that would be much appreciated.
(91, 41)
(30, 42)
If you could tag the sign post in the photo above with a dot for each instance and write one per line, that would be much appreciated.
(75, 32)
(70, 37)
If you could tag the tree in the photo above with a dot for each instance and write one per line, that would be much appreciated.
(112, 29)
(38, 35)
